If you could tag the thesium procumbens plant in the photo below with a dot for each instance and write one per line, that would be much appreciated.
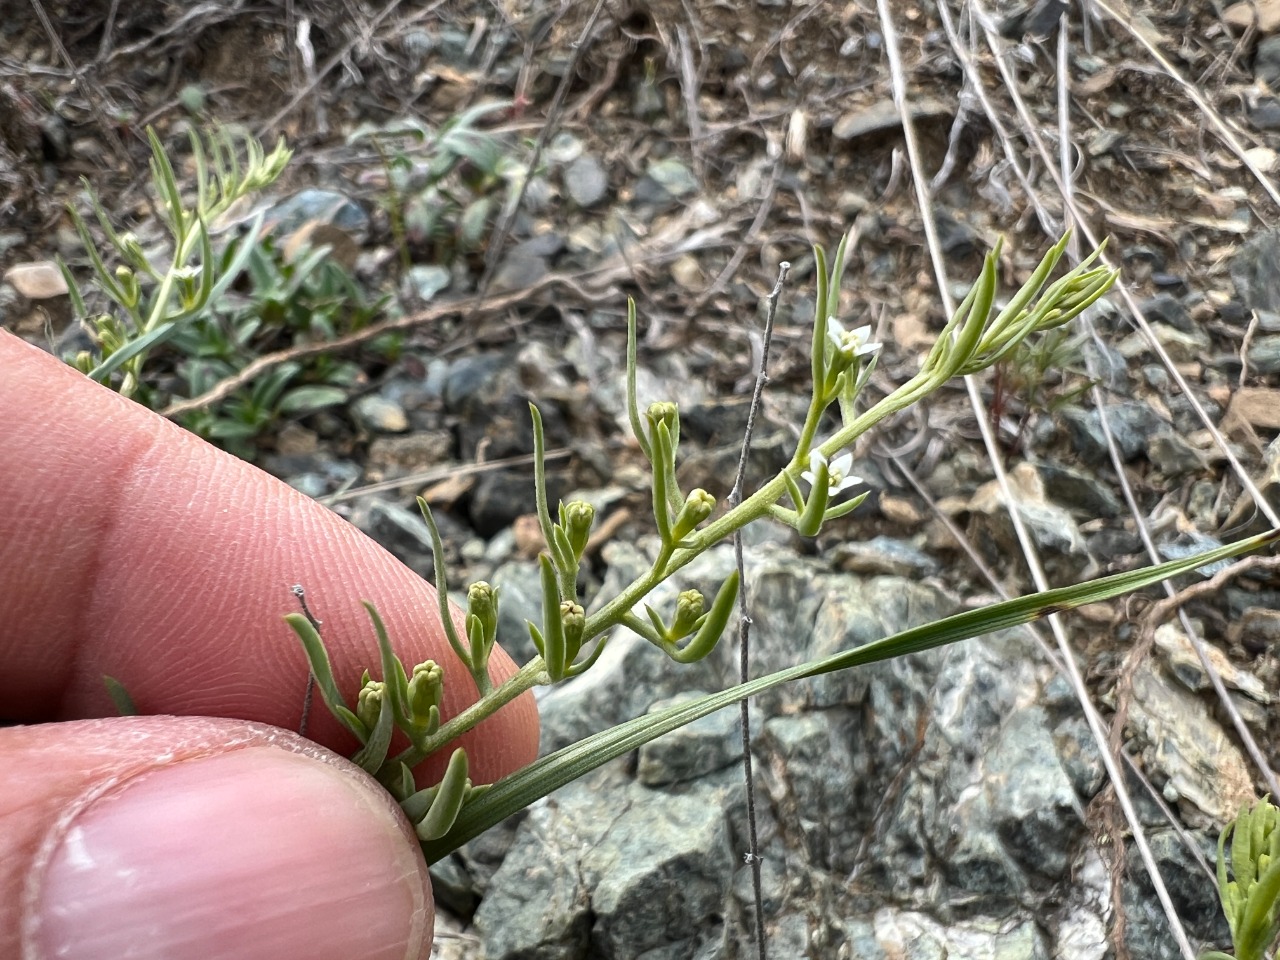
(802, 495)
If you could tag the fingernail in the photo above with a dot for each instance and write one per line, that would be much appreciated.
(256, 853)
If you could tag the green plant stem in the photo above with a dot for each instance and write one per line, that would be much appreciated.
(527, 677)
(669, 561)
(947, 358)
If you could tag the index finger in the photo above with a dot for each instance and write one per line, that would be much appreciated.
(132, 548)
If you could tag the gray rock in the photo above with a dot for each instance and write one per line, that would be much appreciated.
(1255, 269)
(1172, 455)
(1266, 62)
(1131, 424)
(517, 271)
(470, 380)
(402, 531)
(428, 279)
(668, 179)
(564, 147)
(1034, 809)
(884, 555)
(851, 613)
(1037, 20)
(1052, 528)
(645, 876)
(537, 906)
(546, 244)
(314, 204)
(1168, 309)
(499, 498)
(957, 238)
(1189, 544)
(701, 747)
(1194, 896)
(660, 875)
(1079, 490)
(1078, 754)
(1265, 114)
(1181, 660)
(902, 933)
(1186, 752)
(586, 181)
(1264, 355)
(519, 586)
(883, 115)
(411, 451)
(820, 778)
(380, 415)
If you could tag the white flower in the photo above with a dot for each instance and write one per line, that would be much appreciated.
(851, 344)
(838, 475)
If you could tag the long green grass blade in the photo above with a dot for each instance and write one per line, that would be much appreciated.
(522, 788)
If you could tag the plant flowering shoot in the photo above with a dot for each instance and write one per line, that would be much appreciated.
(834, 476)
(851, 344)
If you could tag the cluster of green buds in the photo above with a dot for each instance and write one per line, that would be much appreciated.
(1251, 897)
(402, 701)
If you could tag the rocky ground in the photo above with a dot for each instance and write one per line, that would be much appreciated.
(946, 805)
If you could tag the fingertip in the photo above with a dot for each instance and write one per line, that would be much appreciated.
(171, 836)
(143, 553)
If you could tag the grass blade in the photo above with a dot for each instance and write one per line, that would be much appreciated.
(522, 788)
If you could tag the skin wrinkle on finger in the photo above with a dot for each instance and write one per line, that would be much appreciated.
(194, 574)
(74, 765)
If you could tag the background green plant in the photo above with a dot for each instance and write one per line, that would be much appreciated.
(1249, 882)
(201, 306)
(445, 184)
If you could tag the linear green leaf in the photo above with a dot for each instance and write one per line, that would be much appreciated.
(522, 788)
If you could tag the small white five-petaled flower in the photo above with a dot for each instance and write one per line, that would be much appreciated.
(838, 475)
(851, 343)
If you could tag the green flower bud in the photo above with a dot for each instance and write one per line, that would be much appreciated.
(663, 411)
(426, 687)
(482, 623)
(188, 281)
(578, 517)
(690, 607)
(132, 252)
(574, 619)
(130, 291)
(697, 507)
(369, 702)
(711, 625)
(482, 601)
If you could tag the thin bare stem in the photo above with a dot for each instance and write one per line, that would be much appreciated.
(752, 855)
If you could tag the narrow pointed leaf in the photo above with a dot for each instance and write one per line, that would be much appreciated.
(124, 704)
(517, 791)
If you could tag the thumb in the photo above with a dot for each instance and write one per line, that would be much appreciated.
(199, 837)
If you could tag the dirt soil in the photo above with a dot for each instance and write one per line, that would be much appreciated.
(785, 115)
